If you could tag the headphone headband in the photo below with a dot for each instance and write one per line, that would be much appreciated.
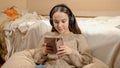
(60, 5)
(70, 15)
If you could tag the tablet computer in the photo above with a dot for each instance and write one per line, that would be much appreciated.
(54, 42)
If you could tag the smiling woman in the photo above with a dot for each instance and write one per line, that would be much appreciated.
(74, 53)
(26, 32)
(61, 22)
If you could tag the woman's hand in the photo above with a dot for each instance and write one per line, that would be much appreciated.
(64, 50)
(47, 49)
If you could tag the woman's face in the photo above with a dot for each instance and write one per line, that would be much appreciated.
(61, 22)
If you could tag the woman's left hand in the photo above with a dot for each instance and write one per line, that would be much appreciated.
(64, 50)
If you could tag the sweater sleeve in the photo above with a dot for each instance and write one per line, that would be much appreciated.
(82, 56)
(38, 55)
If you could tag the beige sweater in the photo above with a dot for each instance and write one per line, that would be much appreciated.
(80, 58)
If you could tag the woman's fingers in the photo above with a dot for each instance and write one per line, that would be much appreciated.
(61, 51)
(49, 49)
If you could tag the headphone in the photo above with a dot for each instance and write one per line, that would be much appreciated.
(71, 16)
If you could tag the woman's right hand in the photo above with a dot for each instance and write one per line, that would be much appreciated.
(47, 49)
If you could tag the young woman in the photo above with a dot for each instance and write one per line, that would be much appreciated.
(74, 53)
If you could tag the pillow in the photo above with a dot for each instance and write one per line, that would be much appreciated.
(11, 12)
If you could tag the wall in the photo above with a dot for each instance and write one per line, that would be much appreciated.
(79, 7)
(21, 4)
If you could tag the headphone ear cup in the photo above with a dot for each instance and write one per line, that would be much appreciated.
(51, 21)
(72, 20)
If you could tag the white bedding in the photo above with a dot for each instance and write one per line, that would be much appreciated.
(103, 38)
(103, 20)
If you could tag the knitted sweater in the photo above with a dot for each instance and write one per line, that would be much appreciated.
(79, 58)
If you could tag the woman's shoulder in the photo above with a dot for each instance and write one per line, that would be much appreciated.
(79, 36)
(50, 33)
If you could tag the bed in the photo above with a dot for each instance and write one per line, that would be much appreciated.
(102, 34)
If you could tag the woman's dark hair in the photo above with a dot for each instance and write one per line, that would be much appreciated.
(73, 26)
